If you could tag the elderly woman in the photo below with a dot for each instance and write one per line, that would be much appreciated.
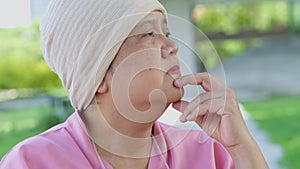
(122, 71)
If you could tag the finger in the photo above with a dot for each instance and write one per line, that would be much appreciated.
(207, 81)
(202, 98)
(210, 106)
(180, 106)
(209, 122)
(192, 79)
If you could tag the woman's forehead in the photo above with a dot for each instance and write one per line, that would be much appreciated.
(153, 18)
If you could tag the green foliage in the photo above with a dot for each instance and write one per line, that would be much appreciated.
(236, 17)
(21, 60)
(225, 49)
(233, 18)
(279, 116)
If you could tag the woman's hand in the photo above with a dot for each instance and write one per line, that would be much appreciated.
(218, 104)
(217, 112)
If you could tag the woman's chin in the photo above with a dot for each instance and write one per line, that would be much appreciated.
(172, 92)
(175, 95)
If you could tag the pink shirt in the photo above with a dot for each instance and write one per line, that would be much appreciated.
(67, 146)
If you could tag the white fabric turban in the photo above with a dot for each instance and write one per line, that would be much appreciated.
(80, 38)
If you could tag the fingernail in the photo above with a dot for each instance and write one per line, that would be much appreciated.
(177, 82)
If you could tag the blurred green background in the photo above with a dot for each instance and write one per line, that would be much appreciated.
(232, 28)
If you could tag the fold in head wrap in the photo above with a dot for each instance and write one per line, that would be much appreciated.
(80, 39)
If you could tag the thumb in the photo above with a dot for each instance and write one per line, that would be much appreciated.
(180, 105)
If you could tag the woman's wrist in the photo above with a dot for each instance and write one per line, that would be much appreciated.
(247, 156)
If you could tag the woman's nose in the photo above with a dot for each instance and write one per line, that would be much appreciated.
(169, 48)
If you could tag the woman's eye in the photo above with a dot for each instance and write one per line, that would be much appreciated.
(152, 34)
(168, 34)
(149, 34)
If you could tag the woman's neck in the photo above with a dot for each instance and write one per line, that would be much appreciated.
(124, 144)
(127, 127)
(117, 135)
(125, 123)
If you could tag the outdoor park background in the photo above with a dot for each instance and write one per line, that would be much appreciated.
(32, 98)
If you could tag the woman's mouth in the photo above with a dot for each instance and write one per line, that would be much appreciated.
(174, 71)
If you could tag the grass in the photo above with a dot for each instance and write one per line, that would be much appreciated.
(280, 116)
(18, 125)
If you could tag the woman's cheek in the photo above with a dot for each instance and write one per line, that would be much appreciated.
(144, 83)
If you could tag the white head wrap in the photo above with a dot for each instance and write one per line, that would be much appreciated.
(80, 38)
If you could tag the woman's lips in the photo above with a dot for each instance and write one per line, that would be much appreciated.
(175, 70)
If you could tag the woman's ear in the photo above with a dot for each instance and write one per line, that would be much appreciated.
(103, 88)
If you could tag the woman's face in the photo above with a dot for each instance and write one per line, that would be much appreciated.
(147, 61)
